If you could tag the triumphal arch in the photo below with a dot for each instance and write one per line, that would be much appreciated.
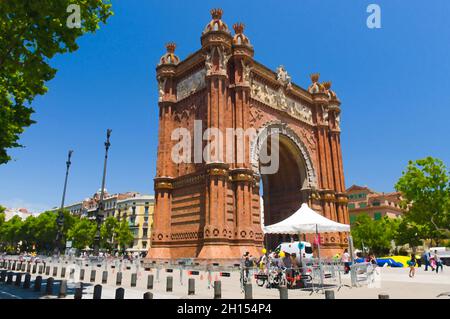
(211, 207)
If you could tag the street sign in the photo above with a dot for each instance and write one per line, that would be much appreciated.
(69, 244)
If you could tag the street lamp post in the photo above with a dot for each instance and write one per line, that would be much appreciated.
(100, 208)
(60, 219)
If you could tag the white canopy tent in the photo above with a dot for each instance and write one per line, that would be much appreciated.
(305, 221)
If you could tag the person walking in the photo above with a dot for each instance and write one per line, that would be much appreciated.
(412, 265)
(426, 259)
(346, 260)
(438, 262)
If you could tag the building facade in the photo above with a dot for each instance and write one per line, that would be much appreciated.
(363, 200)
(138, 211)
(135, 207)
(210, 209)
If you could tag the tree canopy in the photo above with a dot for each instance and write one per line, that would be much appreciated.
(376, 235)
(425, 187)
(31, 33)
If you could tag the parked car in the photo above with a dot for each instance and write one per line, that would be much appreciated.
(294, 248)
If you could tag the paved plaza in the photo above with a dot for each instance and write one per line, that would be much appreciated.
(393, 281)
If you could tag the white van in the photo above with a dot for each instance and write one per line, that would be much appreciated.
(293, 248)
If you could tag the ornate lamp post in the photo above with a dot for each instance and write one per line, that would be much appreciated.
(60, 219)
(100, 208)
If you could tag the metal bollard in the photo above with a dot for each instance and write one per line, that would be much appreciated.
(79, 291)
(169, 283)
(133, 280)
(26, 282)
(217, 289)
(120, 293)
(248, 292)
(62, 289)
(191, 286)
(93, 273)
(119, 278)
(104, 277)
(97, 292)
(49, 287)
(3, 276)
(383, 296)
(150, 282)
(37, 283)
(63, 272)
(283, 292)
(329, 294)
(18, 279)
(9, 279)
(148, 295)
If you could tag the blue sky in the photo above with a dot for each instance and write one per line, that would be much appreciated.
(393, 82)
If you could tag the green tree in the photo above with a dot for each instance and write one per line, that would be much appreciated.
(425, 188)
(31, 33)
(125, 237)
(409, 233)
(374, 234)
(10, 234)
(82, 233)
(109, 232)
(2, 209)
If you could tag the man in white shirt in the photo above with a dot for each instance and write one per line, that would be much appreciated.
(346, 260)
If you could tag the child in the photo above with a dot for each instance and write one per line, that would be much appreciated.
(412, 265)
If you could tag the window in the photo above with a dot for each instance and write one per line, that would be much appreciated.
(351, 206)
(362, 205)
(146, 210)
(376, 203)
(134, 210)
(377, 216)
(144, 244)
(145, 232)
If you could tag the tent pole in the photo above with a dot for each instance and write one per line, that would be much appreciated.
(318, 254)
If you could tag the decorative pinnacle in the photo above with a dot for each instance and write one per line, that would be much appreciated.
(216, 14)
(315, 77)
(171, 47)
(239, 28)
(327, 85)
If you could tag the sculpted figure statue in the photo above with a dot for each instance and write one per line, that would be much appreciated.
(245, 72)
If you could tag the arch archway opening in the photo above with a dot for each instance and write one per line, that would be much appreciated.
(282, 191)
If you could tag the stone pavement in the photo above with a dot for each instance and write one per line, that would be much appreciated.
(393, 281)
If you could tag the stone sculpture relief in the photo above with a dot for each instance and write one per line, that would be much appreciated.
(338, 121)
(223, 60)
(283, 77)
(278, 100)
(191, 84)
(161, 88)
(246, 69)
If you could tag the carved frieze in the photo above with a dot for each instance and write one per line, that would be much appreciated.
(191, 84)
(278, 100)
